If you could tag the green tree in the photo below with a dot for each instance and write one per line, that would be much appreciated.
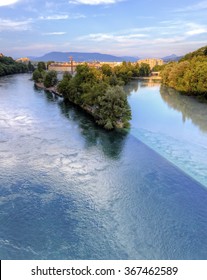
(157, 68)
(113, 109)
(50, 79)
(30, 67)
(135, 70)
(106, 70)
(37, 76)
(90, 97)
(144, 70)
(97, 92)
(67, 76)
(41, 66)
(73, 93)
(188, 76)
(63, 85)
(2, 72)
(121, 72)
(10, 66)
(48, 63)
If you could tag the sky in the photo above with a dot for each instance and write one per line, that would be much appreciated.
(140, 28)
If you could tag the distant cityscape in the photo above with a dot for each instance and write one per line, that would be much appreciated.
(71, 65)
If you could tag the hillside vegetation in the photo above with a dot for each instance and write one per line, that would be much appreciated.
(189, 75)
(9, 66)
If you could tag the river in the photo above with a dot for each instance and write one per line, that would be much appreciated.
(70, 190)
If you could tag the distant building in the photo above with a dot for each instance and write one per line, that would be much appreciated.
(155, 73)
(111, 64)
(151, 61)
(23, 60)
(1, 55)
(68, 67)
(62, 67)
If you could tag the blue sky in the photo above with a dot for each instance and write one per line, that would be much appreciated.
(147, 28)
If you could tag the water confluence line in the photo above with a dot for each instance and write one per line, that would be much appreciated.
(165, 149)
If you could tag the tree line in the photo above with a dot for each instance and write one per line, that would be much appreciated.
(98, 91)
(118, 75)
(9, 66)
(189, 75)
(47, 78)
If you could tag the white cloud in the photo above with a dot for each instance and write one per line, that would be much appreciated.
(94, 2)
(164, 36)
(188, 29)
(196, 7)
(62, 17)
(99, 37)
(99, 15)
(34, 47)
(9, 25)
(8, 2)
(54, 33)
(196, 29)
(166, 32)
(54, 17)
(196, 32)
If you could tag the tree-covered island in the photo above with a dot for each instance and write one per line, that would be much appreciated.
(98, 91)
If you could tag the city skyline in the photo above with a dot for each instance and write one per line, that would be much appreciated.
(117, 27)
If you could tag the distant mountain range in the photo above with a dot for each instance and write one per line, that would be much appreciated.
(79, 57)
(172, 57)
(89, 57)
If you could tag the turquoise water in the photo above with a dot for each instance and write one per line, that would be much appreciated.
(70, 190)
(172, 124)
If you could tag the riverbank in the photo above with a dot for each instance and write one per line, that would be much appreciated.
(50, 89)
(91, 110)
(157, 78)
(94, 189)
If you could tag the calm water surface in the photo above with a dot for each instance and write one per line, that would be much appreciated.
(172, 124)
(69, 190)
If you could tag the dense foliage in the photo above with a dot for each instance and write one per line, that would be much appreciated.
(30, 67)
(47, 78)
(50, 79)
(38, 76)
(39, 73)
(200, 52)
(158, 68)
(112, 108)
(189, 75)
(41, 66)
(99, 92)
(10, 66)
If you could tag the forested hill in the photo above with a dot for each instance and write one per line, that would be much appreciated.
(9, 66)
(189, 75)
(200, 52)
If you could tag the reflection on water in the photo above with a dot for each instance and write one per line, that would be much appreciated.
(149, 82)
(111, 142)
(188, 106)
(132, 86)
(172, 124)
(70, 190)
